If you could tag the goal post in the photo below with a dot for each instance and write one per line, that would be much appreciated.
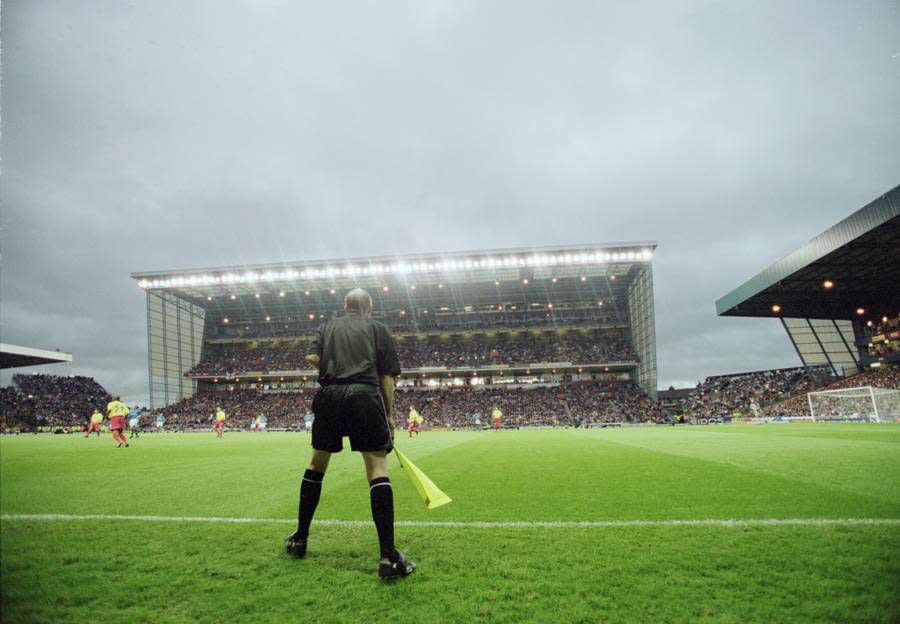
(865, 403)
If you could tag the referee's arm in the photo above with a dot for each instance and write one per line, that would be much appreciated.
(315, 347)
(388, 365)
(387, 392)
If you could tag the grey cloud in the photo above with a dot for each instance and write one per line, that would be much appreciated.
(178, 134)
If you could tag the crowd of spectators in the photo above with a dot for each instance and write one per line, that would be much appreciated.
(567, 404)
(746, 393)
(454, 351)
(40, 400)
(887, 377)
(412, 322)
(574, 403)
(11, 413)
(884, 339)
(460, 351)
(233, 359)
(283, 410)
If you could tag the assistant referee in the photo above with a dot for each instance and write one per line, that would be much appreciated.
(357, 362)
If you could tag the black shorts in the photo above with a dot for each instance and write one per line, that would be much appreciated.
(353, 410)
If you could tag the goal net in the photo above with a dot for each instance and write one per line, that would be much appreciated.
(866, 403)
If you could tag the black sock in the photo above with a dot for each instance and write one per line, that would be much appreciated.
(310, 489)
(382, 495)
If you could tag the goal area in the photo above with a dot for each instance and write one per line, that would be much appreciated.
(866, 404)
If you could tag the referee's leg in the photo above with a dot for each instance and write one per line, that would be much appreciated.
(376, 464)
(381, 493)
(393, 564)
(310, 491)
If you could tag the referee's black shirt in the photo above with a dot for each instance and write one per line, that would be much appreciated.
(355, 349)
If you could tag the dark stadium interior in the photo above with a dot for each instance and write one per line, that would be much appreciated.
(855, 265)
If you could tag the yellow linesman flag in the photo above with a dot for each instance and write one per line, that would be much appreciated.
(430, 493)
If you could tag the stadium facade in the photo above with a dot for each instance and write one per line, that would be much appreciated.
(599, 288)
(838, 296)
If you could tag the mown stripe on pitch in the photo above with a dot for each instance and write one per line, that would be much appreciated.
(477, 524)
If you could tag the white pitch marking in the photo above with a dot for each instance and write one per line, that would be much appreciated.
(477, 524)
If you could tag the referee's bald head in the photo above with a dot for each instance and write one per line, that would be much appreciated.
(358, 301)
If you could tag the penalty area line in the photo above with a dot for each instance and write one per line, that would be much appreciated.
(478, 524)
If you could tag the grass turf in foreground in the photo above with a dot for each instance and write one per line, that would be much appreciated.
(166, 572)
(126, 571)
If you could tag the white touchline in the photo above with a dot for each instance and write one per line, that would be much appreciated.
(478, 524)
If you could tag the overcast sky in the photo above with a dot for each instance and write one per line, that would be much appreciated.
(176, 134)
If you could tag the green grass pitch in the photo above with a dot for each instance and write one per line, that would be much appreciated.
(121, 570)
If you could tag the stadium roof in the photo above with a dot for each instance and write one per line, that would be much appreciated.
(14, 356)
(583, 273)
(850, 267)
